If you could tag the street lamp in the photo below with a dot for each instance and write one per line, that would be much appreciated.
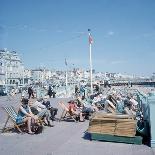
(8, 70)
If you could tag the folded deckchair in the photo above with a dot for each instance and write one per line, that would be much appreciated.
(66, 114)
(11, 115)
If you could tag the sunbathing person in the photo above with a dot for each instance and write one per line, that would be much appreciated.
(120, 105)
(99, 101)
(131, 105)
(53, 111)
(41, 111)
(88, 105)
(87, 108)
(73, 109)
(25, 115)
(134, 103)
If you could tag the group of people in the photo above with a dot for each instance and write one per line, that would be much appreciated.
(82, 106)
(50, 92)
(114, 102)
(31, 111)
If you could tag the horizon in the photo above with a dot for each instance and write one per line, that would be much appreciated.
(45, 33)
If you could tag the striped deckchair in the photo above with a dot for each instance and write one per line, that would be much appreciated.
(66, 114)
(11, 115)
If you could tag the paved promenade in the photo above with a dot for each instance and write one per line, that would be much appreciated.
(66, 138)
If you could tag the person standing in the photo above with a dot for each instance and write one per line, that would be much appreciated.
(82, 90)
(76, 90)
(50, 91)
(97, 88)
(30, 92)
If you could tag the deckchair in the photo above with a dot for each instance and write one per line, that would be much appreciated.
(40, 116)
(111, 108)
(11, 115)
(66, 114)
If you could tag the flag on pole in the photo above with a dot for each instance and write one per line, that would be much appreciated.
(65, 62)
(90, 39)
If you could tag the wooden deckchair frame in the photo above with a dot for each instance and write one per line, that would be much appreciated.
(11, 115)
(111, 108)
(66, 113)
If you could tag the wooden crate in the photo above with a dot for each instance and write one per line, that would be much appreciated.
(120, 125)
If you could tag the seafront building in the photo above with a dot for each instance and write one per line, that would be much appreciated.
(14, 74)
(41, 75)
(11, 68)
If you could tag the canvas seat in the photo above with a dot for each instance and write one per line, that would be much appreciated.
(66, 114)
(12, 114)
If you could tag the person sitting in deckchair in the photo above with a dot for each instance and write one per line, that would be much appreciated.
(25, 115)
(41, 111)
(53, 111)
(88, 105)
(73, 109)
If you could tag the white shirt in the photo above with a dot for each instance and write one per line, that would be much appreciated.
(134, 101)
(38, 106)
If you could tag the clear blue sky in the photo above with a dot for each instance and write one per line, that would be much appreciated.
(45, 32)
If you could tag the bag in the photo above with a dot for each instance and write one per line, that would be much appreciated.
(38, 129)
(35, 127)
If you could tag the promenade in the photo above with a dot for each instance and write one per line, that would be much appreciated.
(65, 138)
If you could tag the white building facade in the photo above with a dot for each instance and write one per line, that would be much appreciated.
(11, 68)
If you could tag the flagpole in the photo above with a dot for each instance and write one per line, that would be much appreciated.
(66, 78)
(90, 62)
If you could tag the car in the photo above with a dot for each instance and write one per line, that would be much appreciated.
(2, 92)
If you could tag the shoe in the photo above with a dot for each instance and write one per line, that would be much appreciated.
(45, 124)
(31, 133)
(52, 118)
(50, 125)
(81, 120)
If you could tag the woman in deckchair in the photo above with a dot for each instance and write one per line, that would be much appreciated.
(25, 115)
(73, 109)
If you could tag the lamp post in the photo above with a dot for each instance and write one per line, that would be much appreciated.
(6, 80)
(23, 77)
(6, 73)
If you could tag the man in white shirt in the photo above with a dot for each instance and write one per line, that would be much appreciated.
(42, 112)
(134, 104)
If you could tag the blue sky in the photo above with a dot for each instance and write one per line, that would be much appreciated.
(45, 32)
